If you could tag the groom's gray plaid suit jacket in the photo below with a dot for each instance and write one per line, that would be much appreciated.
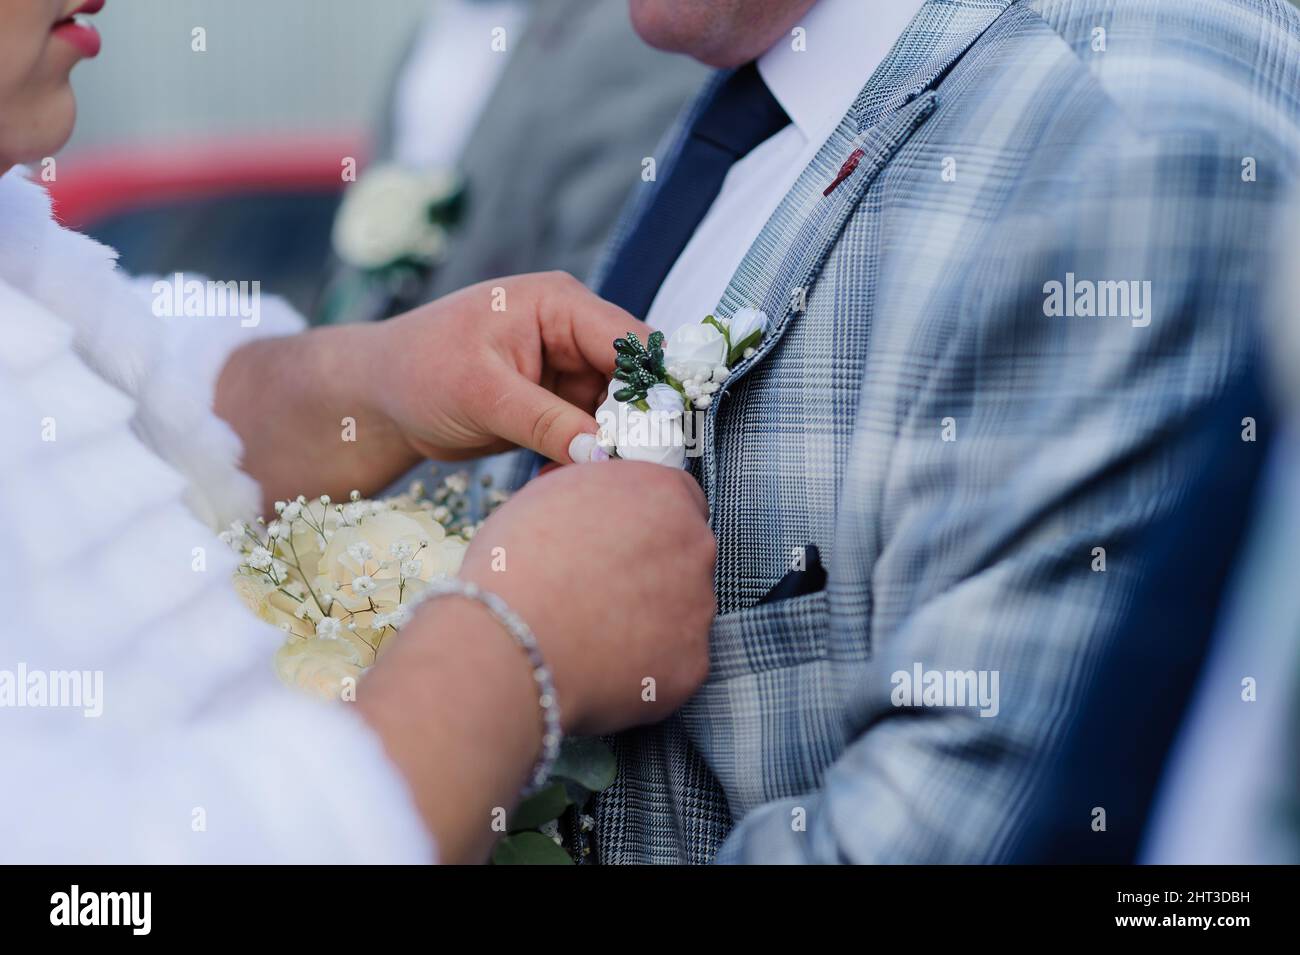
(1004, 145)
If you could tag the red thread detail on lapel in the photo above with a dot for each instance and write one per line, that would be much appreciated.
(846, 170)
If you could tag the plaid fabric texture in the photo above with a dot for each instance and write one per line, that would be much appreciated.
(956, 454)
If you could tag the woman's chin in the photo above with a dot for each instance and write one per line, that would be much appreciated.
(46, 136)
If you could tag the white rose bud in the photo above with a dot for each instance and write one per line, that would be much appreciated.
(656, 438)
(695, 350)
(665, 399)
(748, 326)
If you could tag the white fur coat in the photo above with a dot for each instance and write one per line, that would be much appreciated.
(115, 472)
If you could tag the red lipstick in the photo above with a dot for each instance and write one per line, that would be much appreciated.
(83, 37)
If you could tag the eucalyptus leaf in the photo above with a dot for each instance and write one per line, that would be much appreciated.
(578, 793)
(738, 350)
(529, 848)
(541, 807)
(586, 760)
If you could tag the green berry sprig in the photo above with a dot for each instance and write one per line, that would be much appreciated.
(639, 367)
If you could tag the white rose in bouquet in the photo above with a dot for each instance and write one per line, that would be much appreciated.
(338, 578)
(340, 581)
(382, 550)
(325, 667)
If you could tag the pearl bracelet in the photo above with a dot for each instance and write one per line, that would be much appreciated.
(547, 701)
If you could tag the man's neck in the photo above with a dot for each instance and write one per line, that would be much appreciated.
(817, 70)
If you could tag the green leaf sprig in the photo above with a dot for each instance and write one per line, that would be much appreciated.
(639, 367)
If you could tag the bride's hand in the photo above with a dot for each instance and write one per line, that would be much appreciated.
(512, 361)
(518, 360)
(611, 565)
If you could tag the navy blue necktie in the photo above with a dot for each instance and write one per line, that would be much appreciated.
(741, 114)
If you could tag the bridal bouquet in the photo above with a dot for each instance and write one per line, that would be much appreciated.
(339, 579)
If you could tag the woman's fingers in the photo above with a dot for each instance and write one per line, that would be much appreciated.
(577, 330)
(578, 327)
(533, 417)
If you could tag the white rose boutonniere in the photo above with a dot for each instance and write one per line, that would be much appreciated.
(643, 416)
(666, 399)
(654, 434)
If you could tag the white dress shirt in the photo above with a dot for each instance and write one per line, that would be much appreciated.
(449, 77)
(845, 41)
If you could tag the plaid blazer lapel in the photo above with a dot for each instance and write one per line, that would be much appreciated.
(783, 263)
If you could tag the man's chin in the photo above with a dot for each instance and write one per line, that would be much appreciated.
(721, 34)
(679, 28)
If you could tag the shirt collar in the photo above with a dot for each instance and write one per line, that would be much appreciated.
(845, 41)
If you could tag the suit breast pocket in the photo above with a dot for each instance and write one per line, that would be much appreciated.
(765, 722)
(768, 636)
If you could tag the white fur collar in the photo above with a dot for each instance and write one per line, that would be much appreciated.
(167, 366)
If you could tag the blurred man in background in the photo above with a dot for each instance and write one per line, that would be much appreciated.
(547, 111)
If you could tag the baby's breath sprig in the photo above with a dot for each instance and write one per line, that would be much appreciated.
(299, 573)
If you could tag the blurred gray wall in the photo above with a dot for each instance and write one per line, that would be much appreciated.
(288, 66)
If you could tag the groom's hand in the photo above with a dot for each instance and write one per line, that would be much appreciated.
(514, 361)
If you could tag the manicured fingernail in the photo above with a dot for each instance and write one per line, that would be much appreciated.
(581, 448)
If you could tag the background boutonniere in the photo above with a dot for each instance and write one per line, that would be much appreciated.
(395, 217)
(392, 230)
